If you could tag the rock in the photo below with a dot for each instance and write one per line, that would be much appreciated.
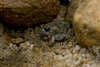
(17, 40)
(23, 46)
(86, 23)
(74, 4)
(28, 12)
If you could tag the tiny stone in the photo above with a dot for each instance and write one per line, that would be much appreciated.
(31, 47)
(77, 47)
(87, 55)
(17, 40)
(28, 43)
(10, 44)
(83, 55)
(66, 56)
(23, 46)
(82, 51)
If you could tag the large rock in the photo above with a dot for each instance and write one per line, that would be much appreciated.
(86, 23)
(28, 12)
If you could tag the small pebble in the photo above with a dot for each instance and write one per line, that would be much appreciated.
(27, 43)
(23, 46)
(17, 40)
(31, 46)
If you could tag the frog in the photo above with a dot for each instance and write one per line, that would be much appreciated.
(55, 31)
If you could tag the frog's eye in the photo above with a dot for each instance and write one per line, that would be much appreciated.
(47, 29)
(42, 30)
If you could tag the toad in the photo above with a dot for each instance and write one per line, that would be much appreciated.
(55, 31)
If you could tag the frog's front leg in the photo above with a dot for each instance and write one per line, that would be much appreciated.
(69, 34)
(57, 37)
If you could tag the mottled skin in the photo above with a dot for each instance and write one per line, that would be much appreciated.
(55, 31)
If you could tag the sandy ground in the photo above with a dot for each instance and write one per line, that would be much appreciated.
(22, 48)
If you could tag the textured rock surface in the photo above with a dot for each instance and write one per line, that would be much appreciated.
(74, 4)
(86, 23)
(28, 12)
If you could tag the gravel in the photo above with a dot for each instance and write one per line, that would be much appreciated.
(29, 51)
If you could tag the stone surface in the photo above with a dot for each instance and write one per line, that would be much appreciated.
(73, 5)
(28, 12)
(17, 40)
(86, 23)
